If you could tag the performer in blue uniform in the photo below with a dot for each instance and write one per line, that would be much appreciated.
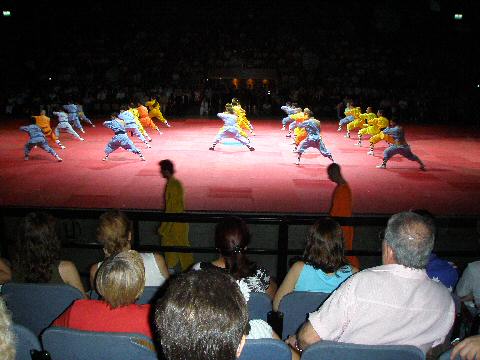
(314, 139)
(230, 129)
(82, 116)
(400, 146)
(131, 125)
(63, 124)
(73, 115)
(37, 138)
(120, 139)
(289, 109)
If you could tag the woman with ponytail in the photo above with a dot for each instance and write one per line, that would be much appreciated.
(232, 237)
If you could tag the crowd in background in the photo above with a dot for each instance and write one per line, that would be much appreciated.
(416, 66)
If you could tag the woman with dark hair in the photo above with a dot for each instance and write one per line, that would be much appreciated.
(232, 237)
(37, 258)
(323, 266)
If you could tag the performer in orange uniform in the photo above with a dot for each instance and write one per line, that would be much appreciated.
(145, 118)
(154, 111)
(299, 134)
(342, 207)
(43, 122)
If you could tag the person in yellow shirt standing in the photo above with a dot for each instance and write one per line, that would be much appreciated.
(43, 122)
(172, 233)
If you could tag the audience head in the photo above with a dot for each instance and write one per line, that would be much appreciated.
(166, 168)
(229, 108)
(202, 316)
(114, 232)
(324, 247)
(380, 112)
(7, 339)
(38, 247)
(369, 109)
(232, 237)
(409, 240)
(120, 279)
(334, 172)
(307, 112)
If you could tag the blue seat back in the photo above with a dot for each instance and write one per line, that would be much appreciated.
(63, 343)
(25, 340)
(295, 308)
(265, 349)
(36, 306)
(259, 305)
(149, 295)
(328, 350)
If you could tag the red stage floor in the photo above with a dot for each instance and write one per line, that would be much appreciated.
(231, 178)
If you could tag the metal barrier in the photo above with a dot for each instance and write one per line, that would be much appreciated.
(283, 221)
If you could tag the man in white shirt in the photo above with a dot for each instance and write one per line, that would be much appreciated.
(392, 304)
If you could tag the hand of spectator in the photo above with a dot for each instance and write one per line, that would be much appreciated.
(468, 349)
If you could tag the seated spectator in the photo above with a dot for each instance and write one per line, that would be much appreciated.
(467, 349)
(395, 303)
(5, 271)
(231, 240)
(37, 254)
(7, 338)
(201, 322)
(438, 269)
(120, 281)
(115, 234)
(468, 287)
(323, 267)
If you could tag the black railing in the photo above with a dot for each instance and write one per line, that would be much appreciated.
(283, 221)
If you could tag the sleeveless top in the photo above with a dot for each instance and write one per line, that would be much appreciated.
(19, 276)
(315, 280)
(153, 275)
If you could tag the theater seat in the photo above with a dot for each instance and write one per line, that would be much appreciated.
(35, 306)
(294, 308)
(265, 349)
(63, 343)
(331, 350)
(259, 305)
(25, 340)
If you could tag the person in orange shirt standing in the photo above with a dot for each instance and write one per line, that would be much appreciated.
(341, 206)
(43, 122)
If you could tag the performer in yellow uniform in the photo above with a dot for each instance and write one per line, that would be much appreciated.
(134, 111)
(172, 233)
(299, 133)
(43, 122)
(145, 118)
(243, 122)
(154, 111)
(373, 127)
(361, 120)
(377, 138)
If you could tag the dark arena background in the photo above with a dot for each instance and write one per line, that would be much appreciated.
(414, 59)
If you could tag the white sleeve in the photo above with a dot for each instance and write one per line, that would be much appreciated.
(259, 329)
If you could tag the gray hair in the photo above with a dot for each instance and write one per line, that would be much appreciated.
(411, 237)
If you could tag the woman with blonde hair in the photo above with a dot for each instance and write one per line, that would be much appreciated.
(120, 281)
(115, 234)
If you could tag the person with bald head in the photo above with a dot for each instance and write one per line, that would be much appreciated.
(392, 304)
